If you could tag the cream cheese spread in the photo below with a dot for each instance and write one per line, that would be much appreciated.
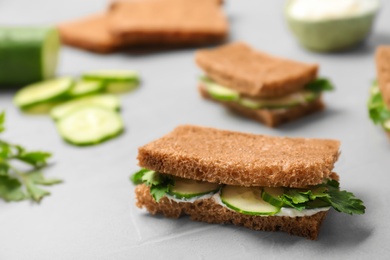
(315, 10)
(284, 212)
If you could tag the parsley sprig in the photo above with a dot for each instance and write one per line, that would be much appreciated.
(15, 184)
(377, 109)
(159, 183)
(323, 195)
(319, 85)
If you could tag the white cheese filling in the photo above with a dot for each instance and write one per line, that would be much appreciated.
(314, 10)
(284, 212)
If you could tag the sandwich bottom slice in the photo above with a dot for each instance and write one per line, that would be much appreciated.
(270, 111)
(256, 181)
(210, 211)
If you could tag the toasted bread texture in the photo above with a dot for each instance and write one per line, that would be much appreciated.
(89, 33)
(254, 73)
(168, 22)
(383, 72)
(207, 210)
(234, 158)
(270, 117)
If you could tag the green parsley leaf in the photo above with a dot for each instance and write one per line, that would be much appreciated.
(320, 84)
(36, 158)
(16, 185)
(11, 189)
(159, 183)
(377, 109)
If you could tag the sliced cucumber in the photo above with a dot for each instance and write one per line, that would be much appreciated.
(84, 88)
(120, 87)
(115, 81)
(108, 101)
(27, 54)
(247, 200)
(90, 125)
(44, 108)
(42, 92)
(186, 188)
(283, 102)
(386, 125)
(219, 92)
(271, 195)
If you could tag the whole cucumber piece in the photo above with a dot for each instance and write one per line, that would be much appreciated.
(27, 54)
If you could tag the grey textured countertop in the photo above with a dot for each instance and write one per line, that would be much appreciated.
(92, 215)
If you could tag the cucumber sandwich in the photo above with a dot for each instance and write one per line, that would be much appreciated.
(266, 88)
(259, 182)
(379, 101)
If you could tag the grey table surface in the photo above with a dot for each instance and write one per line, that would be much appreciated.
(92, 215)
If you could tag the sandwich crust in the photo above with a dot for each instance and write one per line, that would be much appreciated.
(168, 22)
(269, 117)
(207, 210)
(383, 72)
(254, 73)
(89, 33)
(234, 158)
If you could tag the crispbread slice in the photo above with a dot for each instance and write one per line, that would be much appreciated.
(254, 73)
(234, 158)
(207, 210)
(270, 117)
(89, 33)
(383, 72)
(168, 22)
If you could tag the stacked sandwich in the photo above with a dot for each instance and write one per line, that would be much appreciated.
(260, 182)
(379, 102)
(260, 86)
(171, 23)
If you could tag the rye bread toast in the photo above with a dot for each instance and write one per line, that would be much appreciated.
(254, 73)
(270, 117)
(207, 210)
(234, 158)
(383, 72)
(89, 33)
(168, 22)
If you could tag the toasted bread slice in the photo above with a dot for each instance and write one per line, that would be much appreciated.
(234, 158)
(254, 73)
(271, 117)
(207, 210)
(383, 72)
(89, 33)
(168, 22)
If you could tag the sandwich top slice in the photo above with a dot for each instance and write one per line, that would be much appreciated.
(260, 182)
(90, 33)
(267, 88)
(379, 101)
(168, 22)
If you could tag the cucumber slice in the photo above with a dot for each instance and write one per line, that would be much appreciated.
(386, 125)
(42, 92)
(115, 81)
(186, 188)
(27, 54)
(247, 200)
(219, 92)
(104, 100)
(44, 108)
(292, 100)
(90, 125)
(84, 88)
(271, 195)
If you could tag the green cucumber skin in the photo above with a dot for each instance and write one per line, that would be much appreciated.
(21, 51)
(190, 196)
(248, 212)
